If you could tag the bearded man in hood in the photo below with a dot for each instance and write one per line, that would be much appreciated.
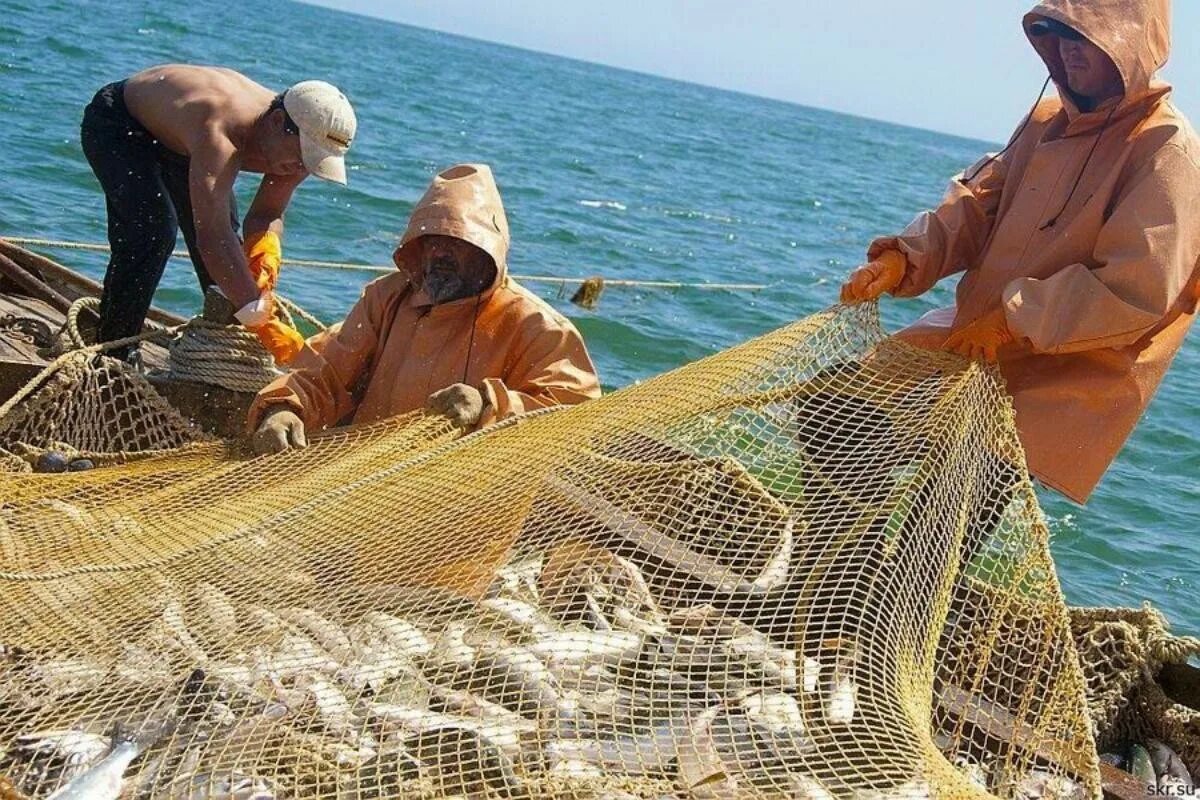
(449, 331)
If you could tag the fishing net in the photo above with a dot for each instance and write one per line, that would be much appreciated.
(1135, 692)
(811, 566)
(88, 403)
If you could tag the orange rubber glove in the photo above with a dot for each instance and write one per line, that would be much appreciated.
(264, 253)
(982, 339)
(281, 340)
(871, 280)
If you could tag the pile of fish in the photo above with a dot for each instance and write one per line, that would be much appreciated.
(1157, 767)
(571, 682)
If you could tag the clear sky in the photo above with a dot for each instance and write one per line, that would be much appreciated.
(959, 66)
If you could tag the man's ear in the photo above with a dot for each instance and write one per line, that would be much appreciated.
(277, 120)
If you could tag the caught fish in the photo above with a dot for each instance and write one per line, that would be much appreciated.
(806, 787)
(217, 607)
(464, 762)
(518, 580)
(1168, 766)
(407, 721)
(599, 647)
(403, 636)
(1042, 785)
(103, 780)
(513, 619)
(333, 707)
(1142, 767)
(59, 755)
(453, 701)
(777, 712)
(406, 685)
(450, 649)
(843, 696)
(811, 675)
(513, 677)
(652, 753)
(225, 785)
(842, 699)
(332, 639)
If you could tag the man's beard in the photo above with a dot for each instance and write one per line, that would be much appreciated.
(443, 282)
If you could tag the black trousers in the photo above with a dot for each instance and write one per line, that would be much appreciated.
(146, 191)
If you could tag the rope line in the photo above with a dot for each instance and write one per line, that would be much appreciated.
(300, 262)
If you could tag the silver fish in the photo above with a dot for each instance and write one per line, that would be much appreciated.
(518, 580)
(104, 779)
(402, 722)
(177, 633)
(58, 755)
(806, 787)
(513, 677)
(450, 649)
(221, 613)
(469, 705)
(574, 646)
(332, 639)
(514, 619)
(463, 761)
(641, 754)
(403, 636)
(1168, 766)
(1042, 785)
(224, 785)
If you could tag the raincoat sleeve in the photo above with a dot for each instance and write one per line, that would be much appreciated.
(948, 239)
(1146, 253)
(553, 369)
(319, 389)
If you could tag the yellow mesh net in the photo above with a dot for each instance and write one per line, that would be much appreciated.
(89, 403)
(811, 566)
(1137, 680)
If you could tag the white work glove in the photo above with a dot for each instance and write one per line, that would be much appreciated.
(463, 404)
(278, 431)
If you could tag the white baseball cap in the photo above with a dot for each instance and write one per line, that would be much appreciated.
(327, 125)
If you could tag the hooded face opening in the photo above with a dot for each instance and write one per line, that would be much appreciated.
(1127, 41)
(452, 268)
(1089, 73)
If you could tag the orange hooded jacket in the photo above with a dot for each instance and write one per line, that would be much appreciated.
(1087, 230)
(396, 347)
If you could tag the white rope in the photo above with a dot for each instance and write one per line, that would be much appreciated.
(299, 262)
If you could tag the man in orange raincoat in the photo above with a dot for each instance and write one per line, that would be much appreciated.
(449, 331)
(1079, 241)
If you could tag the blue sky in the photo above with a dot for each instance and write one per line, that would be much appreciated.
(959, 66)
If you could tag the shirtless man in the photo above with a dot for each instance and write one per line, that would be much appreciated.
(166, 145)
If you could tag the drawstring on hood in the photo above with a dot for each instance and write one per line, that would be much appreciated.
(1015, 136)
(1050, 223)
(471, 342)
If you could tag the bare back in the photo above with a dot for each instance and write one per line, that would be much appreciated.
(187, 107)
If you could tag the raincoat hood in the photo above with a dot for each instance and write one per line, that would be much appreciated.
(1135, 34)
(464, 202)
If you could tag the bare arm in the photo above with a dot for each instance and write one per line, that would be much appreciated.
(214, 166)
(271, 200)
